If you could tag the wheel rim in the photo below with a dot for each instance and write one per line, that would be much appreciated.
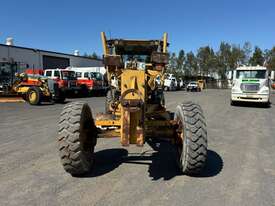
(180, 139)
(86, 131)
(32, 96)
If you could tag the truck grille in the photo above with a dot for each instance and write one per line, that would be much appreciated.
(250, 87)
(71, 84)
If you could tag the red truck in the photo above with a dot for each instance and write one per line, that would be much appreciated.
(66, 79)
(91, 82)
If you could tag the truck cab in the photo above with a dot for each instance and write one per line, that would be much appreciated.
(89, 80)
(251, 84)
(170, 82)
(66, 79)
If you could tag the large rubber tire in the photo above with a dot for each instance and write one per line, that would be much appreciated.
(77, 138)
(34, 96)
(192, 133)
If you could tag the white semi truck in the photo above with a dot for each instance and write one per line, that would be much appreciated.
(251, 84)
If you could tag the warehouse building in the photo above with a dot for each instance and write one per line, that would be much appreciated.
(24, 58)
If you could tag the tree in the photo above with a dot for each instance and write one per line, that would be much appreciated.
(172, 66)
(269, 56)
(237, 57)
(191, 64)
(247, 49)
(180, 62)
(92, 56)
(206, 60)
(223, 56)
(257, 57)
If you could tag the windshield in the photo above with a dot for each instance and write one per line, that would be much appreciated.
(138, 58)
(97, 76)
(245, 74)
(68, 75)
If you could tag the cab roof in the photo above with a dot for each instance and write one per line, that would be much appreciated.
(135, 47)
(251, 68)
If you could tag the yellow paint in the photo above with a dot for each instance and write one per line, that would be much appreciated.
(165, 37)
(104, 43)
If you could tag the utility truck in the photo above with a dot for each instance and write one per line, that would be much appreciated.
(90, 79)
(251, 84)
(170, 82)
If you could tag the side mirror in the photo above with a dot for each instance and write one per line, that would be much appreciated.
(234, 74)
(272, 75)
(230, 75)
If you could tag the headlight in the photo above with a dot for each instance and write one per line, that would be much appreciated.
(235, 90)
(265, 91)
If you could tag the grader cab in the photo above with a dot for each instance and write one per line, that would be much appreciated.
(135, 110)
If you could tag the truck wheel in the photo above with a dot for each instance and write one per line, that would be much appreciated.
(34, 96)
(84, 90)
(77, 138)
(191, 138)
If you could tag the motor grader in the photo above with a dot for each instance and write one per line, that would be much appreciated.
(135, 110)
(36, 89)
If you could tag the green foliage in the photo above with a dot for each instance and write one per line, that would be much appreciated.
(92, 56)
(269, 56)
(257, 57)
(191, 64)
(207, 62)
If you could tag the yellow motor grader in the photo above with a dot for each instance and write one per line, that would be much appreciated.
(36, 89)
(135, 111)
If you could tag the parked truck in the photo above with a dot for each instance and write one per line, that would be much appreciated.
(170, 82)
(251, 84)
(65, 79)
(90, 80)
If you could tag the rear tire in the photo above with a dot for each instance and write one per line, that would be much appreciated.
(34, 96)
(77, 138)
(192, 136)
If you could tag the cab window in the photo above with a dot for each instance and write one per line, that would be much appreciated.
(86, 75)
(78, 74)
(48, 73)
(56, 74)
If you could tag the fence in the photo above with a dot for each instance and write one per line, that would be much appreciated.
(218, 84)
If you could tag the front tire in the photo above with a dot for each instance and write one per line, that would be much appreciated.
(34, 96)
(192, 138)
(77, 138)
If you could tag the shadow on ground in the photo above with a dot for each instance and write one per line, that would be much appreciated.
(252, 104)
(161, 162)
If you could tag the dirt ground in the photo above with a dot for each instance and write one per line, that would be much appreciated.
(240, 169)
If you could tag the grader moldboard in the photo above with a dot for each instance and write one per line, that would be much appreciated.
(135, 110)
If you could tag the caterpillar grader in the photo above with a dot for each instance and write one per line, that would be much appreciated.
(36, 89)
(135, 110)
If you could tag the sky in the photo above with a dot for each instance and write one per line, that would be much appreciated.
(64, 26)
